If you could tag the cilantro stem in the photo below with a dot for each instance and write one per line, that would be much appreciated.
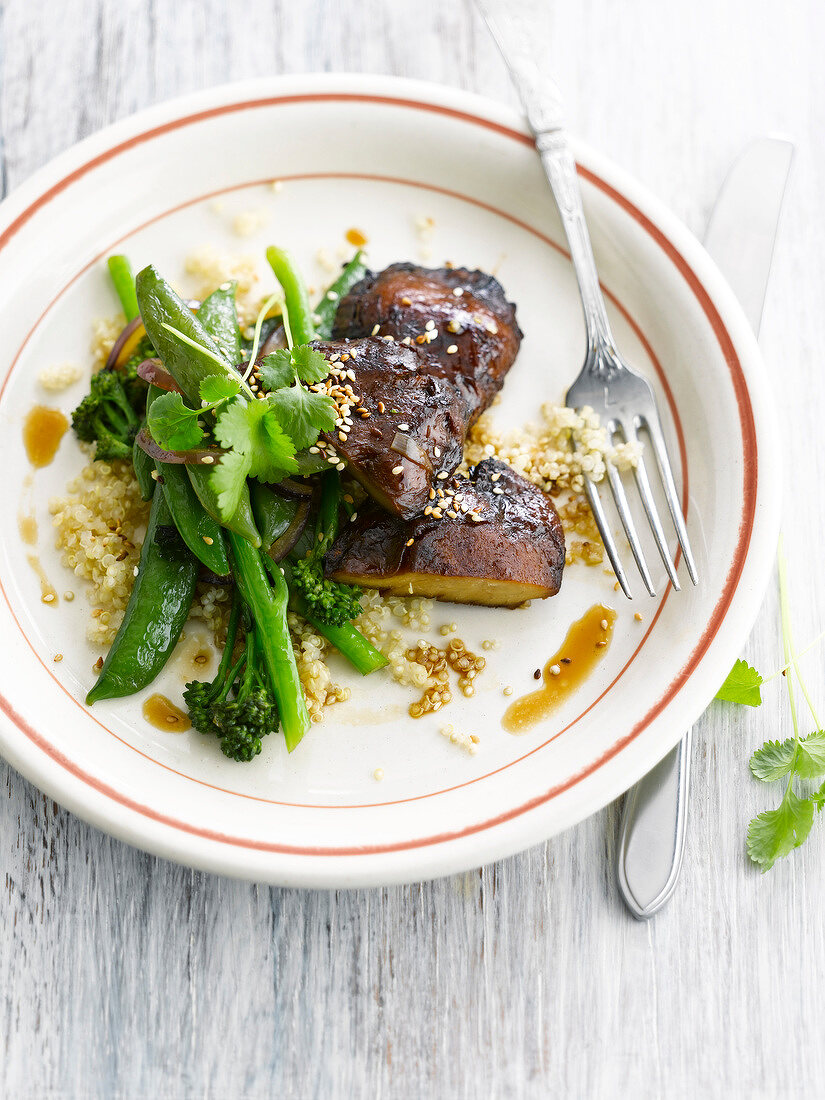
(229, 372)
(802, 652)
(256, 339)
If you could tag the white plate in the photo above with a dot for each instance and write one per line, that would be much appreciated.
(377, 153)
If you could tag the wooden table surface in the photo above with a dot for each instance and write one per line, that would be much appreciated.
(125, 975)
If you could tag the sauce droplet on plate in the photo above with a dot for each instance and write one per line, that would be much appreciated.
(162, 713)
(27, 526)
(356, 237)
(47, 592)
(586, 643)
(43, 429)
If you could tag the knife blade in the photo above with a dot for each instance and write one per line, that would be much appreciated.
(740, 236)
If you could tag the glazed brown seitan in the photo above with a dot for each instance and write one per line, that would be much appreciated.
(459, 319)
(505, 548)
(410, 427)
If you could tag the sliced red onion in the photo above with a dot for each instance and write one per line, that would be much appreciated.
(124, 347)
(405, 445)
(274, 342)
(289, 487)
(282, 546)
(201, 457)
(151, 370)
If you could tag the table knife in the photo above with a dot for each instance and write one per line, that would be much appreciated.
(740, 237)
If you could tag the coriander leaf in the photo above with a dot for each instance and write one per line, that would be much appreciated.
(818, 798)
(773, 760)
(303, 414)
(273, 450)
(219, 387)
(774, 833)
(228, 479)
(741, 686)
(253, 430)
(309, 364)
(810, 760)
(172, 424)
(276, 370)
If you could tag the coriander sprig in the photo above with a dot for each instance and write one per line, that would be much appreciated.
(773, 834)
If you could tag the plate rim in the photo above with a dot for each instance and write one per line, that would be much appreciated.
(216, 854)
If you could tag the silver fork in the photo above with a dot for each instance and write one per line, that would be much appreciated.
(622, 398)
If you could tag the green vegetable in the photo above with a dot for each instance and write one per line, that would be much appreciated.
(241, 521)
(267, 605)
(105, 417)
(144, 468)
(352, 273)
(237, 706)
(741, 685)
(775, 833)
(326, 601)
(219, 316)
(175, 426)
(347, 639)
(273, 513)
(298, 309)
(157, 609)
(124, 283)
(179, 338)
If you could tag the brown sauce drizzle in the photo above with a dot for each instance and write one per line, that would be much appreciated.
(43, 429)
(162, 713)
(47, 592)
(356, 237)
(586, 643)
(27, 526)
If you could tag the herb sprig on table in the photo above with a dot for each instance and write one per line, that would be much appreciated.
(796, 761)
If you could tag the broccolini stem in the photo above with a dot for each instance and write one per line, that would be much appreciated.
(347, 639)
(124, 283)
(268, 607)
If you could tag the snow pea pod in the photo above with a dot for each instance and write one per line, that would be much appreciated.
(200, 531)
(219, 316)
(351, 273)
(144, 468)
(157, 609)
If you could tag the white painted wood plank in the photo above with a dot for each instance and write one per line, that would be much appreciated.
(124, 975)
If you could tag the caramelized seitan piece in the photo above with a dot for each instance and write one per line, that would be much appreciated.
(513, 551)
(414, 429)
(466, 310)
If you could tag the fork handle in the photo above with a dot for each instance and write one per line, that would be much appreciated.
(560, 169)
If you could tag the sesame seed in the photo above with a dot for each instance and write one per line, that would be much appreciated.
(409, 542)
(407, 340)
(341, 466)
(437, 513)
(332, 459)
(155, 475)
(603, 624)
(403, 427)
(430, 325)
(452, 349)
(406, 302)
(457, 292)
(555, 670)
(442, 474)
(135, 571)
(332, 296)
(378, 773)
(381, 406)
(208, 540)
(313, 450)
(495, 477)
(375, 329)
(476, 518)
(398, 469)
(600, 645)
(498, 492)
(508, 691)
(437, 452)
(342, 436)
(58, 657)
(68, 596)
(638, 616)
(428, 510)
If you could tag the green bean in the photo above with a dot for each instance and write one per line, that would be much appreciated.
(352, 273)
(268, 607)
(219, 316)
(157, 609)
(120, 271)
(273, 513)
(242, 523)
(144, 468)
(298, 309)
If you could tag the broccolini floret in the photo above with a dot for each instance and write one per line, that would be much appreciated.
(106, 417)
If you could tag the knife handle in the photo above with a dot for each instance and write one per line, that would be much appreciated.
(652, 836)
